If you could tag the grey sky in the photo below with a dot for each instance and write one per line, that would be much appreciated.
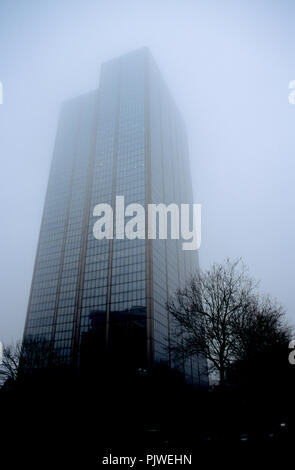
(227, 64)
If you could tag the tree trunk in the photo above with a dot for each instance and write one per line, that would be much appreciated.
(221, 376)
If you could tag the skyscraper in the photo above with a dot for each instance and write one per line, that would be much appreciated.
(90, 296)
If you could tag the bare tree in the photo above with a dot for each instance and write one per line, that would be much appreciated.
(262, 326)
(10, 362)
(23, 357)
(207, 313)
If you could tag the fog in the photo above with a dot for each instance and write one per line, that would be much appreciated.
(228, 66)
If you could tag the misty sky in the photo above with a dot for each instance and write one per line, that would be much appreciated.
(228, 65)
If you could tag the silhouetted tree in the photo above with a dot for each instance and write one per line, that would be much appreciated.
(219, 315)
(21, 357)
(262, 356)
(260, 327)
(10, 363)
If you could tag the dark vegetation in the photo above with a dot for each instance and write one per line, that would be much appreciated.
(64, 416)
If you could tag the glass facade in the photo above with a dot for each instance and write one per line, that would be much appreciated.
(90, 296)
